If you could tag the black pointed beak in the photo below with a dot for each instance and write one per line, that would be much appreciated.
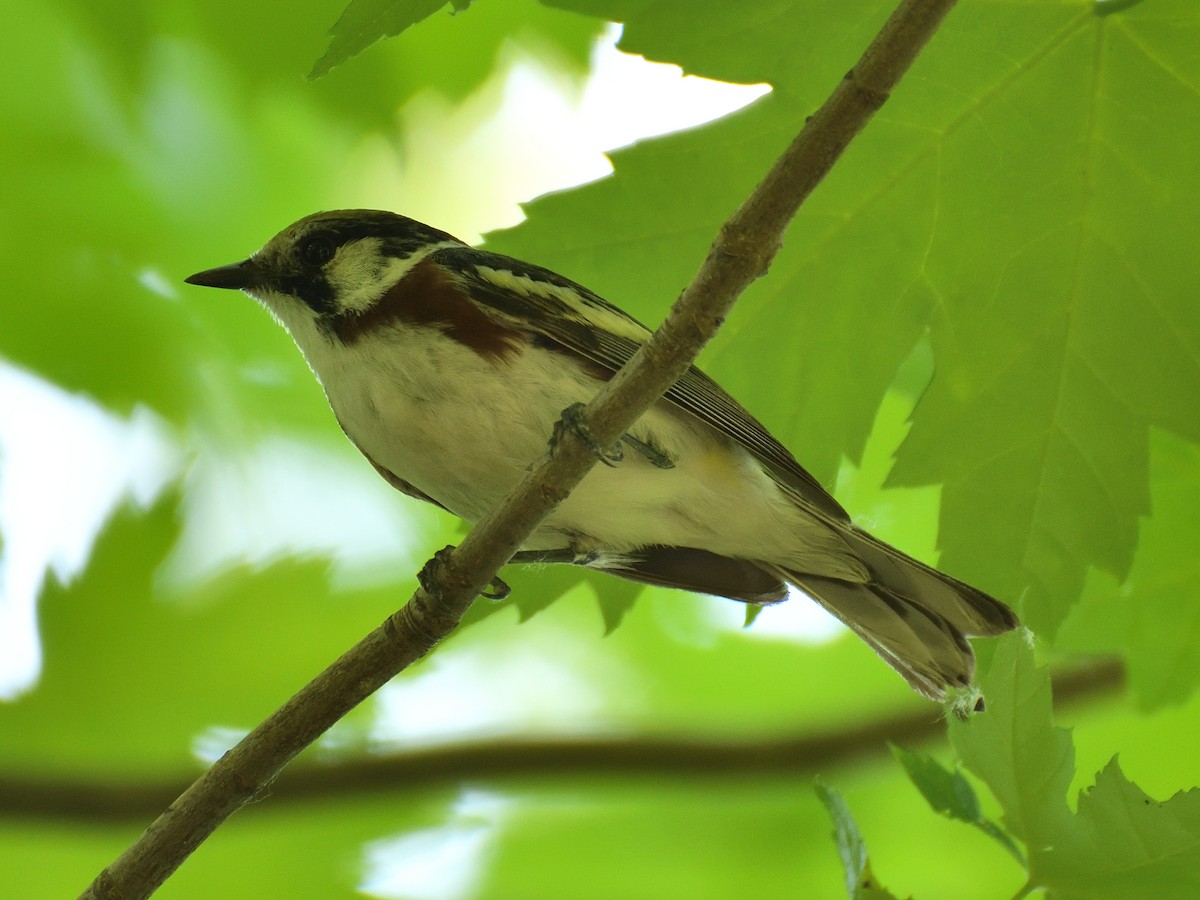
(235, 277)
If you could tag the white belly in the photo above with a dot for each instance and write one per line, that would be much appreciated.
(464, 430)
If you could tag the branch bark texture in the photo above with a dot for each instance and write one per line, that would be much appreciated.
(742, 251)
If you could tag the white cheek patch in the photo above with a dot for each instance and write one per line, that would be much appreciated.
(359, 274)
(591, 314)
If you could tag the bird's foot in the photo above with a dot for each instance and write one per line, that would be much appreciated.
(496, 589)
(572, 419)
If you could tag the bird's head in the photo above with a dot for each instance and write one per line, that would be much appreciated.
(330, 265)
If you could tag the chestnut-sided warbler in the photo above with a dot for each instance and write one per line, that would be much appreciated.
(448, 367)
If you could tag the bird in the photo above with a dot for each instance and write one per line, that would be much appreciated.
(449, 366)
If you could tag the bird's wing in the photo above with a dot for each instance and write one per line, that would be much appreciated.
(575, 319)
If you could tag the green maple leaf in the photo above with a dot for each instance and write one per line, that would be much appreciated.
(363, 22)
(1119, 843)
(861, 883)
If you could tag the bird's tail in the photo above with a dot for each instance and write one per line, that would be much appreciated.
(913, 616)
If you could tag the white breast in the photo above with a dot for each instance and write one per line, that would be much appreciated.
(464, 429)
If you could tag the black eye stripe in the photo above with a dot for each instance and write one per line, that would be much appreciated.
(317, 250)
(301, 260)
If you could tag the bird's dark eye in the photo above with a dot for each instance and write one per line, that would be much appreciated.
(317, 250)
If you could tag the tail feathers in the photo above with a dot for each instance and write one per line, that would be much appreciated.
(916, 641)
(968, 609)
(913, 616)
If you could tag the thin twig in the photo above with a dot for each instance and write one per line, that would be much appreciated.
(698, 756)
(743, 249)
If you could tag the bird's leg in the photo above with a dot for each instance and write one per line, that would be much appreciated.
(567, 555)
(657, 457)
(572, 418)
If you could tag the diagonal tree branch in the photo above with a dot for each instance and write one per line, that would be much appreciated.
(742, 251)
